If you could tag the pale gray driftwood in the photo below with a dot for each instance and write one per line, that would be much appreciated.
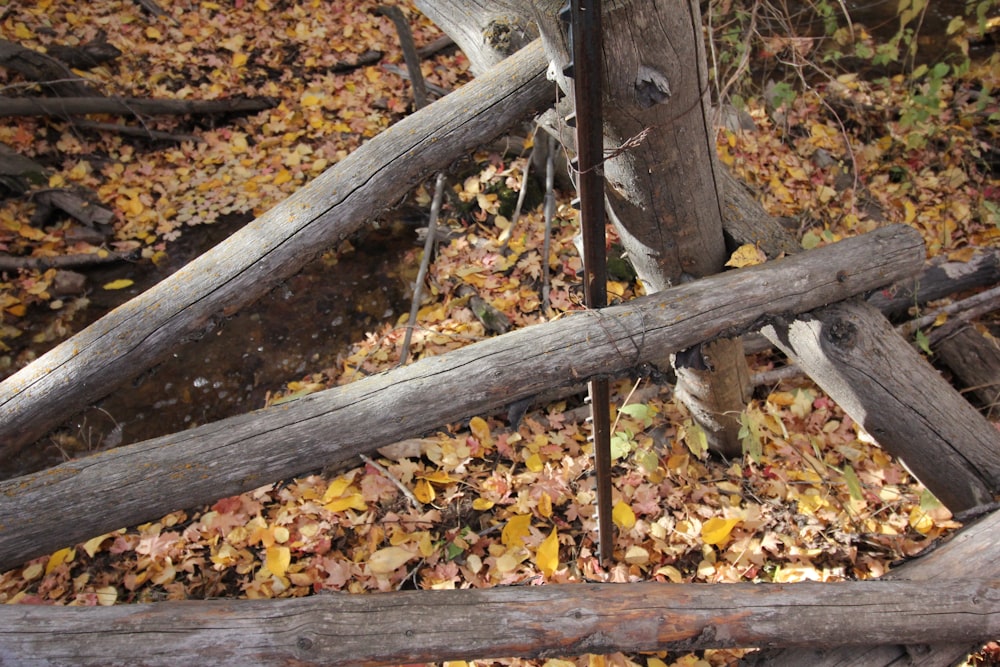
(276, 245)
(854, 354)
(522, 621)
(951, 560)
(125, 486)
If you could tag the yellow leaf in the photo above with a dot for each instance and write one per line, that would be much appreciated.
(337, 488)
(153, 33)
(93, 545)
(22, 31)
(547, 558)
(482, 504)
(121, 283)
(311, 100)
(438, 477)
(623, 516)
(481, 430)
(516, 530)
(240, 59)
(545, 505)
(424, 492)
(282, 177)
(277, 560)
(280, 534)
(390, 559)
(354, 501)
(747, 254)
(534, 463)
(716, 530)
(58, 558)
(920, 521)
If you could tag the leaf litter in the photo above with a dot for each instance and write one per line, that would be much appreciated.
(813, 499)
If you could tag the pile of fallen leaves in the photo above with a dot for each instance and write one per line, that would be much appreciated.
(300, 54)
(497, 501)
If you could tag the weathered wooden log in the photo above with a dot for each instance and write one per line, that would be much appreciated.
(522, 621)
(975, 360)
(854, 354)
(948, 561)
(60, 107)
(79, 499)
(141, 332)
(942, 278)
(46, 70)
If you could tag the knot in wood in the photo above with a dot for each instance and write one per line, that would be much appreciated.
(304, 643)
(651, 87)
(842, 333)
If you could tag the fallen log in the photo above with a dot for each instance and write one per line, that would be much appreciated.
(82, 498)
(276, 245)
(951, 560)
(517, 621)
(854, 354)
(45, 70)
(60, 107)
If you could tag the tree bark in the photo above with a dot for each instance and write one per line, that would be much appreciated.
(126, 106)
(949, 561)
(47, 71)
(138, 334)
(79, 499)
(975, 360)
(854, 354)
(524, 621)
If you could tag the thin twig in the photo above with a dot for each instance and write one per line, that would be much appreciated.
(385, 473)
(964, 310)
(424, 263)
(550, 210)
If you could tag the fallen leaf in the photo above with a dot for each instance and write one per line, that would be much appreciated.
(716, 530)
(121, 283)
(389, 559)
(277, 560)
(547, 557)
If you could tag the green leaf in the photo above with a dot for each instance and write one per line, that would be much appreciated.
(640, 411)
(853, 483)
(695, 439)
(923, 342)
(621, 445)
(928, 501)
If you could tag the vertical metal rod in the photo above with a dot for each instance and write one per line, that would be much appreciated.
(587, 76)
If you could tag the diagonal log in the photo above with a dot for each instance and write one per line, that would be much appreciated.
(519, 621)
(276, 245)
(79, 499)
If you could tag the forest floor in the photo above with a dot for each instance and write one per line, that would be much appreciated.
(488, 502)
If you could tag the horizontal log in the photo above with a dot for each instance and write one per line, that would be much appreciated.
(521, 621)
(950, 560)
(141, 332)
(125, 486)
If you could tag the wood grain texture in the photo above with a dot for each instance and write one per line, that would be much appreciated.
(522, 621)
(239, 270)
(854, 354)
(951, 560)
(83, 498)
